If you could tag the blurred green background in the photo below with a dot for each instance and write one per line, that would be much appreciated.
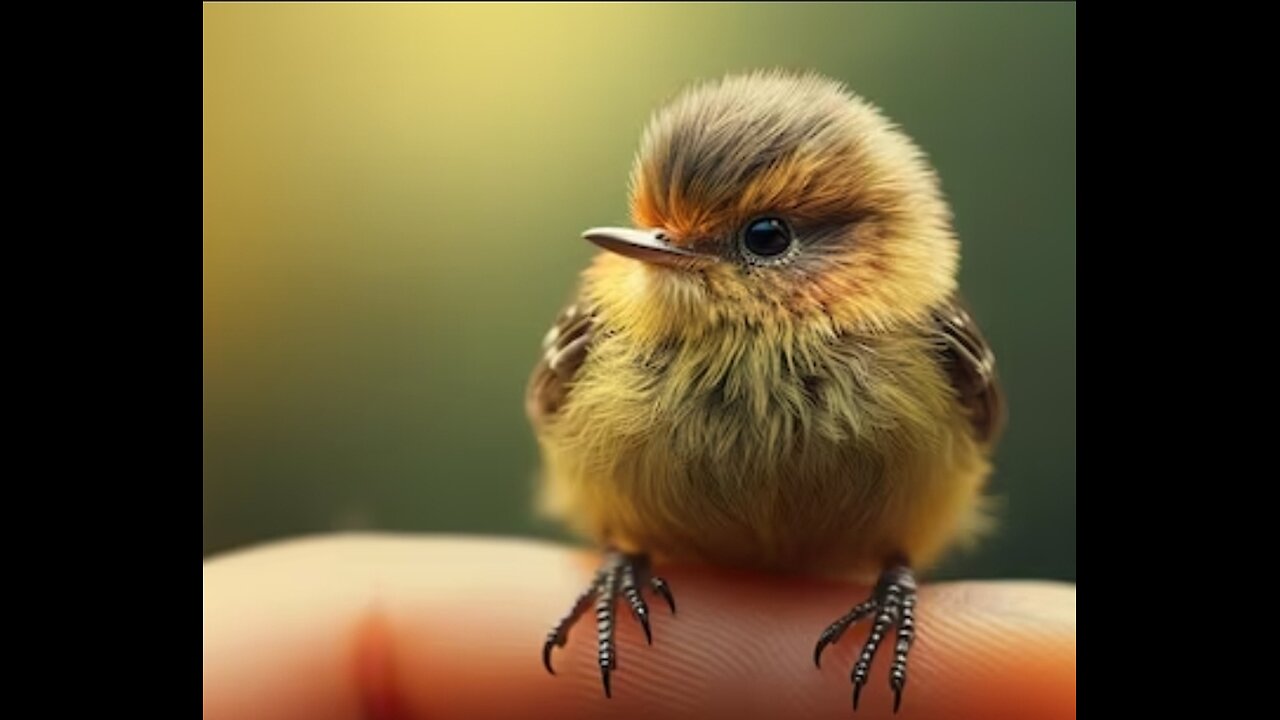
(393, 196)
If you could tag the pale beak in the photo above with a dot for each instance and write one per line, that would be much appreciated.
(649, 246)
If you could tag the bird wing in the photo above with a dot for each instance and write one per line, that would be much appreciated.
(971, 366)
(564, 349)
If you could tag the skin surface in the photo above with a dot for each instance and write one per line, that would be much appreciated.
(381, 626)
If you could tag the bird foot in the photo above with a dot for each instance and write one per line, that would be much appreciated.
(621, 573)
(893, 601)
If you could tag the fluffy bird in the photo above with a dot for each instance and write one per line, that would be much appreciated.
(773, 369)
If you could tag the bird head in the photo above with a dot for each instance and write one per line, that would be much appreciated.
(771, 199)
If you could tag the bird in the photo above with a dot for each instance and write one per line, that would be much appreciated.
(773, 367)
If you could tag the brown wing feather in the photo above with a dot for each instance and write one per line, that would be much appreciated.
(564, 349)
(971, 365)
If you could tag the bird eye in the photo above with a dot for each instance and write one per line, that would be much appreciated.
(766, 237)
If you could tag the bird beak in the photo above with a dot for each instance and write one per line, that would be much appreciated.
(649, 246)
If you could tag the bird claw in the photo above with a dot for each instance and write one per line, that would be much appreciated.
(893, 601)
(617, 577)
(836, 630)
(644, 623)
(823, 642)
(660, 586)
(546, 655)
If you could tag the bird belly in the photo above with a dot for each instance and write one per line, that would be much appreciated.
(773, 483)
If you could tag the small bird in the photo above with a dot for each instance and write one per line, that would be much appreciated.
(773, 369)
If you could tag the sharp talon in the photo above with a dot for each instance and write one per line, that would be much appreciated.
(604, 674)
(857, 690)
(817, 652)
(546, 656)
(660, 586)
(644, 623)
(897, 699)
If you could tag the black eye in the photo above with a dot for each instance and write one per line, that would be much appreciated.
(766, 237)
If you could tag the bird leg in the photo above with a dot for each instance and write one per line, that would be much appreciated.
(893, 601)
(620, 573)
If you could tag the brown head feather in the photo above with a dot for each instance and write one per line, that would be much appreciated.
(875, 240)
